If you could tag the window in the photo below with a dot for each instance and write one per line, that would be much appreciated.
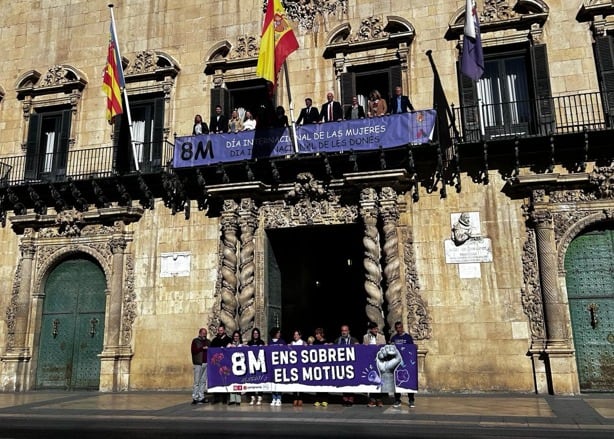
(47, 144)
(604, 53)
(513, 97)
(147, 114)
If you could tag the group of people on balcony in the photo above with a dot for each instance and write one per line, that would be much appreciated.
(332, 110)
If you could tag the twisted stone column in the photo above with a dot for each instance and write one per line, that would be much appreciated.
(248, 221)
(392, 264)
(228, 314)
(555, 308)
(371, 262)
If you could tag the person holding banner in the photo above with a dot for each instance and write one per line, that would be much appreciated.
(297, 340)
(276, 339)
(221, 340)
(374, 337)
(256, 340)
(319, 338)
(400, 338)
(345, 339)
(235, 397)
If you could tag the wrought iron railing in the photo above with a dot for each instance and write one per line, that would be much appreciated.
(567, 114)
(574, 113)
(82, 164)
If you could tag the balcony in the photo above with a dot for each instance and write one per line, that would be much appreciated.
(565, 130)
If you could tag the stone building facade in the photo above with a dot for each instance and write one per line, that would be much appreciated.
(109, 275)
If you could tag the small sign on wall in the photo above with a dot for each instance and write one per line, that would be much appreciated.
(175, 264)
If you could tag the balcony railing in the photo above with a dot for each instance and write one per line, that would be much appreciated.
(82, 164)
(568, 114)
(561, 115)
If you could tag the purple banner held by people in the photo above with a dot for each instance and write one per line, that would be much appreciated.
(322, 368)
(391, 131)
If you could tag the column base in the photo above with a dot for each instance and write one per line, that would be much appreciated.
(115, 369)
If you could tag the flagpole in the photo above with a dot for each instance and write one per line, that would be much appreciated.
(121, 67)
(292, 122)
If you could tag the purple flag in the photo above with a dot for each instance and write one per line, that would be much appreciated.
(472, 58)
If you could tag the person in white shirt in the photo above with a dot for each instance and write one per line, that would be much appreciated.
(250, 122)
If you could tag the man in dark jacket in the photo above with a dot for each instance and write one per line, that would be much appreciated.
(219, 121)
(308, 114)
(399, 103)
(199, 364)
(331, 110)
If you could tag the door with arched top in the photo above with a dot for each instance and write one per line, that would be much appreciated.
(72, 328)
(589, 265)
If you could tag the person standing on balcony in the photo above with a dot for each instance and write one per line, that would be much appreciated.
(199, 127)
(377, 105)
(331, 110)
(250, 122)
(308, 114)
(399, 103)
(219, 121)
(356, 111)
(235, 124)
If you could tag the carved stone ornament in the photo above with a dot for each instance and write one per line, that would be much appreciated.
(144, 62)
(56, 75)
(129, 308)
(530, 293)
(419, 321)
(371, 28)
(495, 10)
(308, 13)
(308, 203)
(603, 178)
(246, 47)
(571, 196)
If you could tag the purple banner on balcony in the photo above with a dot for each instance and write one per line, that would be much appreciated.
(323, 368)
(334, 137)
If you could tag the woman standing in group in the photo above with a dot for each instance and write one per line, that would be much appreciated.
(377, 105)
(276, 339)
(297, 340)
(235, 124)
(235, 397)
(256, 340)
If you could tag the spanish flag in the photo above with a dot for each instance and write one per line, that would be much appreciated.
(113, 79)
(277, 42)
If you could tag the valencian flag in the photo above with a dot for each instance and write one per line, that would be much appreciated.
(472, 58)
(113, 79)
(277, 42)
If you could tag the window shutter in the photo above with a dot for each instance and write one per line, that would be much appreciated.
(604, 47)
(32, 155)
(469, 107)
(396, 78)
(220, 96)
(122, 148)
(62, 153)
(543, 93)
(348, 89)
(158, 132)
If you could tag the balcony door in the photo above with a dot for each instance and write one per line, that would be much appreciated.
(47, 145)
(147, 132)
(513, 97)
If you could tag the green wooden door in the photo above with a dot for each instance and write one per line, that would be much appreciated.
(589, 264)
(72, 328)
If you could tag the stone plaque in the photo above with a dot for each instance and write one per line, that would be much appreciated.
(175, 264)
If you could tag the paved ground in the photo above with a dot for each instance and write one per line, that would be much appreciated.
(170, 415)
